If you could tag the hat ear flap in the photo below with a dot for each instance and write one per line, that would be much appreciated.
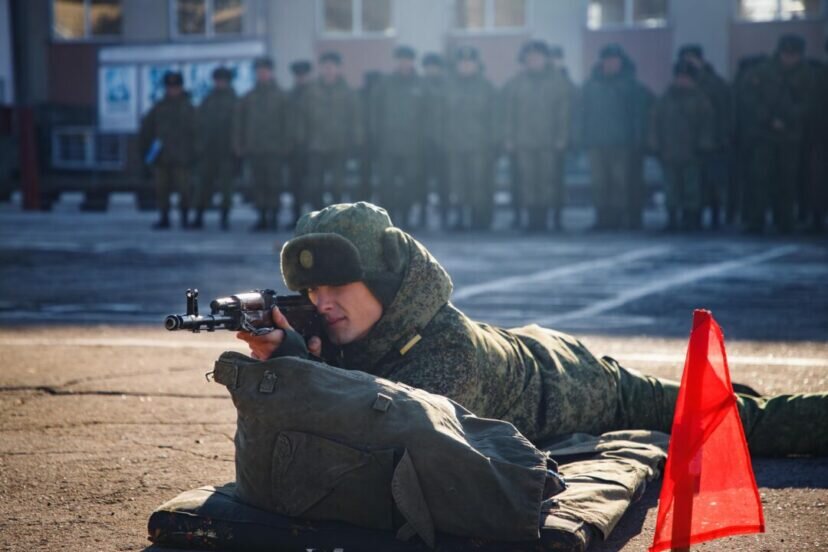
(395, 249)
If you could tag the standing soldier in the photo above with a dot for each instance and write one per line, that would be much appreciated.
(398, 113)
(334, 128)
(780, 95)
(557, 64)
(683, 130)
(261, 138)
(215, 137)
(368, 150)
(434, 141)
(469, 123)
(536, 132)
(297, 131)
(613, 124)
(166, 137)
(716, 172)
(817, 155)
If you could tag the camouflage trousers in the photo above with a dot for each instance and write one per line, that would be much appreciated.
(399, 184)
(217, 175)
(326, 172)
(773, 183)
(611, 184)
(169, 179)
(266, 179)
(470, 178)
(591, 395)
(540, 178)
(682, 182)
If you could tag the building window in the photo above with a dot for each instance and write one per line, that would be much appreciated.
(82, 148)
(208, 18)
(627, 13)
(489, 15)
(84, 19)
(779, 10)
(356, 17)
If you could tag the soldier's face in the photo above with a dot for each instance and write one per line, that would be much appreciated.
(790, 59)
(432, 70)
(350, 310)
(611, 65)
(405, 65)
(173, 91)
(329, 71)
(221, 84)
(467, 67)
(535, 61)
(264, 74)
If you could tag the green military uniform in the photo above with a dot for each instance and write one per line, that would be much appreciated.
(536, 131)
(817, 138)
(683, 129)
(469, 137)
(397, 115)
(613, 118)
(778, 100)
(261, 134)
(718, 184)
(744, 132)
(544, 382)
(434, 162)
(297, 133)
(172, 122)
(216, 156)
(334, 131)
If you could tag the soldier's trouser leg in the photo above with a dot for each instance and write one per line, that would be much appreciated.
(600, 175)
(337, 165)
(163, 188)
(391, 191)
(558, 188)
(757, 194)
(411, 191)
(480, 189)
(784, 189)
(618, 189)
(636, 196)
(672, 187)
(298, 170)
(316, 180)
(774, 426)
(457, 185)
(534, 190)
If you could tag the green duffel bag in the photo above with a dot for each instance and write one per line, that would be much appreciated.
(321, 443)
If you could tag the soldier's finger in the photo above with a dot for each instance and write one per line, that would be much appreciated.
(315, 346)
(280, 320)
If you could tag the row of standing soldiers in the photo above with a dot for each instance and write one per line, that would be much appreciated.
(738, 150)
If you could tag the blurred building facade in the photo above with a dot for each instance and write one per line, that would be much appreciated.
(92, 67)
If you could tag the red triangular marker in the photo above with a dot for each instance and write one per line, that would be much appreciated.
(709, 490)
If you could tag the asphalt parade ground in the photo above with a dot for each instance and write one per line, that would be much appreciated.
(104, 415)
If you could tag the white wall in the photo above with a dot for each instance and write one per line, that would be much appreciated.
(422, 24)
(561, 22)
(705, 22)
(292, 29)
(6, 62)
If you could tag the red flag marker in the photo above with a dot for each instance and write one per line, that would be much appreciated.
(709, 491)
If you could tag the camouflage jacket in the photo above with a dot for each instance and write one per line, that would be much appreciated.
(682, 125)
(613, 110)
(537, 111)
(261, 121)
(469, 118)
(773, 93)
(172, 121)
(434, 129)
(215, 123)
(333, 118)
(718, 93)
(398, 107)
(515, 375)
(297, 120)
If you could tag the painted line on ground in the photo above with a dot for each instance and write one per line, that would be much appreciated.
(688, 277)
(503, 284)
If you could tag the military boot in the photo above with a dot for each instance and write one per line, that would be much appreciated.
(184, 215)
(163, 222)
(198, 221)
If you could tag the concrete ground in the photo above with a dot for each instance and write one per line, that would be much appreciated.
(104, 415)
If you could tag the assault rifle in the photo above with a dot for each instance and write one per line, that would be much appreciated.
(250, 312)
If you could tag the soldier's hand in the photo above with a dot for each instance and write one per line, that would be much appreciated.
(315, 346)
(262, 346)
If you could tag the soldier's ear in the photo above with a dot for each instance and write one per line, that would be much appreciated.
(394, 249)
